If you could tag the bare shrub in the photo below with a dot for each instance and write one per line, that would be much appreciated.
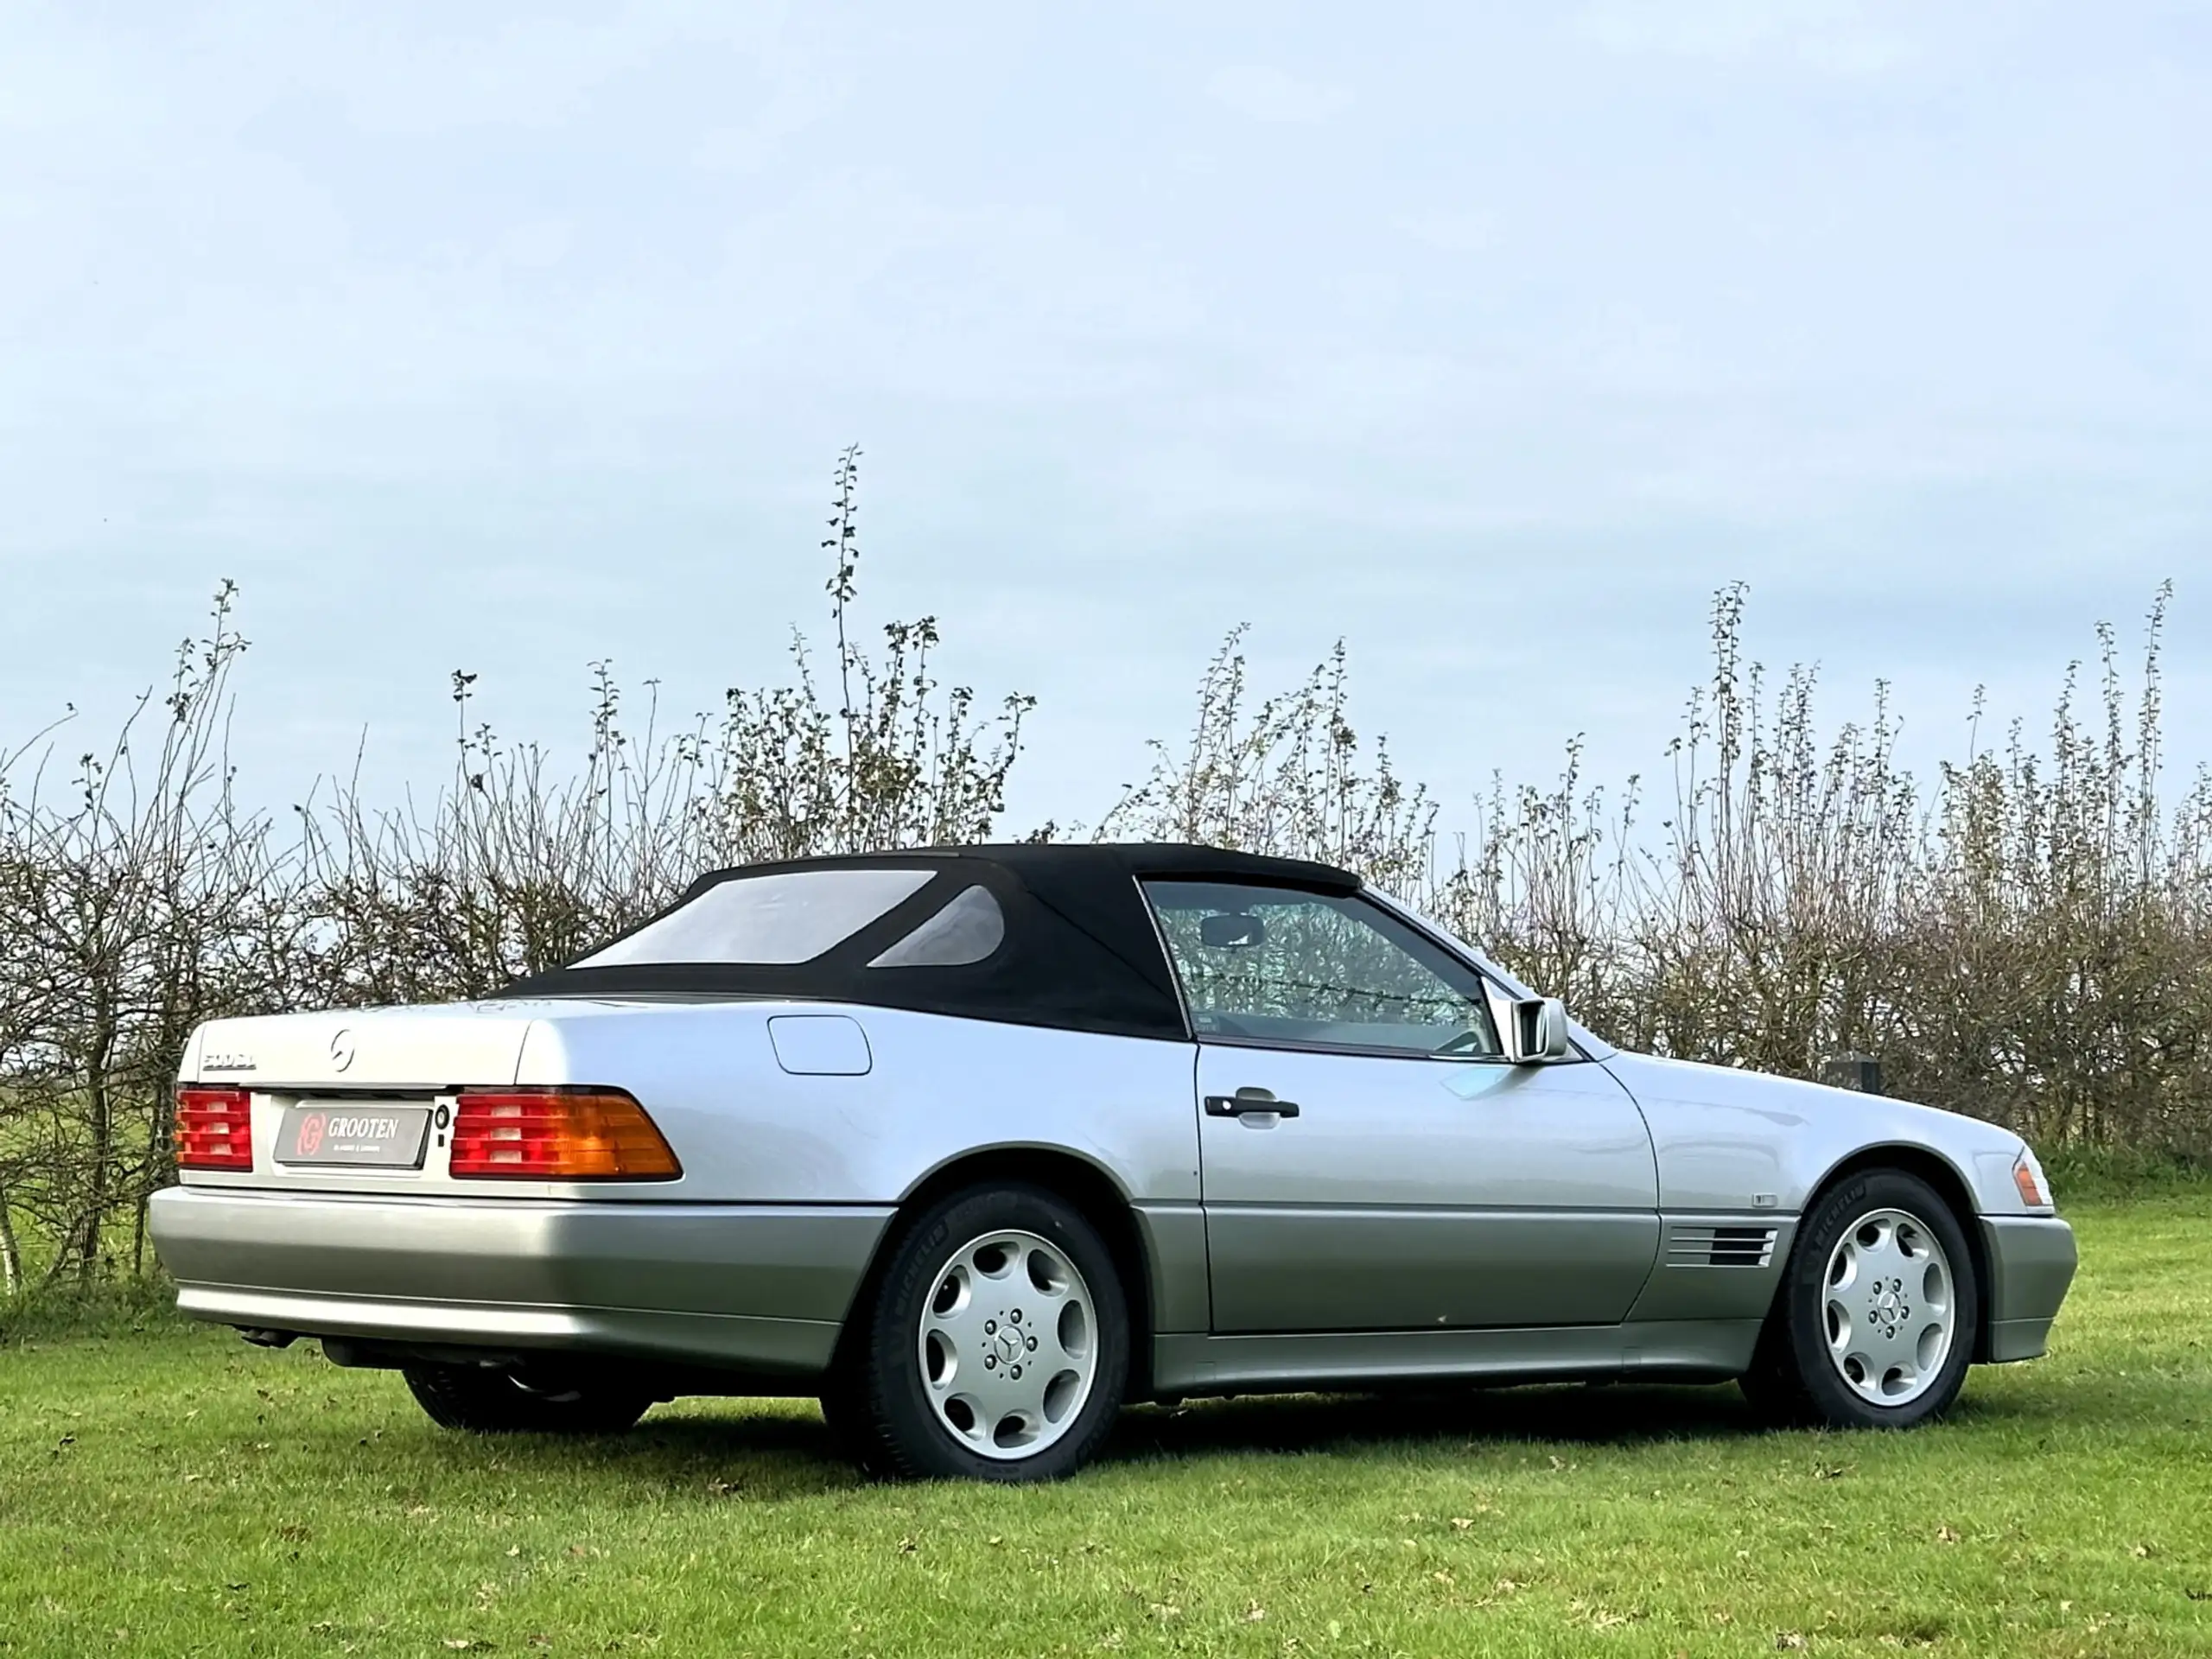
(513, 868)
(1286, 777)
(133, 908)
(2029, 937)
(2032, 943)
(130, 911)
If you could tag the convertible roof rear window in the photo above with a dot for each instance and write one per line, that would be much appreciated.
(776, 919)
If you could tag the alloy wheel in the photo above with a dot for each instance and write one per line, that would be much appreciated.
(1008, 1344)
(1888, 1308)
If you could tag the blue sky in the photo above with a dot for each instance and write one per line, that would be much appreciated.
(1490, 337)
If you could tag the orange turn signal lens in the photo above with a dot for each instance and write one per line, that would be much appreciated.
(557, 1135)
(214, 1127)
(2027, 1176)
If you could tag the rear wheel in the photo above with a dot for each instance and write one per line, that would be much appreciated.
(481, 1400)
(842, 1414)
(997, 1347)
(1873, 1325)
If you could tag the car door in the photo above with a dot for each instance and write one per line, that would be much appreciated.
(1367, 1159)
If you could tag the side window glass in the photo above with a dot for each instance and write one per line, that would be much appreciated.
(1278, 965)
(966, 930)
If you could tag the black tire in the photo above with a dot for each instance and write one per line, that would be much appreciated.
(882, 1412)
(481, 1401)
(1794, 1379)
(842, 1415)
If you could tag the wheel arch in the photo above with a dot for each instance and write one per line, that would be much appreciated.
(1950, 1185)
(1087, 1184)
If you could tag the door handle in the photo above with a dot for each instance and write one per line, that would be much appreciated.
(1238, 1104)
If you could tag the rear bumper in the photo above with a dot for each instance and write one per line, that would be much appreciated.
(2032, 1261)
(757, 1288)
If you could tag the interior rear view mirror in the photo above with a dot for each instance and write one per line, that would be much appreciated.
(1239, 931)
(1536, 1030)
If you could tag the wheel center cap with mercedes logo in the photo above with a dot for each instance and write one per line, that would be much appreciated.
(1889, 1309)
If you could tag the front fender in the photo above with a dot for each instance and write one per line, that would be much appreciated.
(1730, 1141)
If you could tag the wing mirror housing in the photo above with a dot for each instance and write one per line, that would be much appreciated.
(1536, 1031)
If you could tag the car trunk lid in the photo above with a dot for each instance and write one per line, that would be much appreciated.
(408, 1051)
(355, 1102)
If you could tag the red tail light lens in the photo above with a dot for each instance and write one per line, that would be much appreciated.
(214, 1128)
(557, 1135)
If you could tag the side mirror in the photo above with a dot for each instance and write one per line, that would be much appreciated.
(1535, 1030)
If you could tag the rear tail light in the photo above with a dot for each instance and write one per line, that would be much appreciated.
(557, 1135)
(214, 1128)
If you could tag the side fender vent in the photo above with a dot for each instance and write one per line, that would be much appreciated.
(1721, 1247)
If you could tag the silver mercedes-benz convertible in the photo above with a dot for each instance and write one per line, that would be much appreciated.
(978, 1144)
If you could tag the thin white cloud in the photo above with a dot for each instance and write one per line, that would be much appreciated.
(796, 103)
(1455, 231)
(1264, 93)
(1839, 36)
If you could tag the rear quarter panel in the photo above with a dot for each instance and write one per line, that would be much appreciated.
(938, 1088)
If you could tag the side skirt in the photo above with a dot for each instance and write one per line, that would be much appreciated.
(1652, 1351)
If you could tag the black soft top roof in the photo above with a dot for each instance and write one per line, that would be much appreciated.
(1080, 951)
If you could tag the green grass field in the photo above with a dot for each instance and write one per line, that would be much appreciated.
(170, 1491)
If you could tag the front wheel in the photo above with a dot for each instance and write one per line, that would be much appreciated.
(997, 1347)
(1873, 1325)
(482, 1400)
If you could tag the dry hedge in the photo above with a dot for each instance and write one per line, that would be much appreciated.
(2029, 937)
